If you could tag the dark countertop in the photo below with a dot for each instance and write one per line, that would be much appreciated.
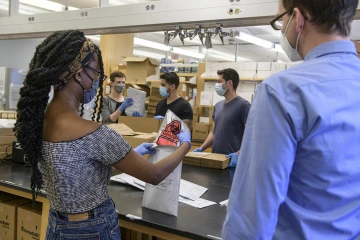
(191, 222)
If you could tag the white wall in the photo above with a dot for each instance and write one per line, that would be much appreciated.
(17, 53)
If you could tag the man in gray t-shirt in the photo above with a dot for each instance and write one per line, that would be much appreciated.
(229, 118)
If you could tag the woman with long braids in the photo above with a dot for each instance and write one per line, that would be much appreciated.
(70, 156)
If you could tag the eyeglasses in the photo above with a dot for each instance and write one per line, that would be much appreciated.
(101, 78)
(277, 23)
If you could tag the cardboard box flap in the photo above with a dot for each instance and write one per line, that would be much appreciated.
(197, 154)
(122, 129)
(17, 202)
(29, 207)
(141, 59)
(216, 157)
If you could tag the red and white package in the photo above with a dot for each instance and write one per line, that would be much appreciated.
(165, 196)
(172, 125)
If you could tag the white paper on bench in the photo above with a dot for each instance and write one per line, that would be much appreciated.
(199, 203)
(188, 190)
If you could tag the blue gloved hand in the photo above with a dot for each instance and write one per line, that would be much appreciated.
(234, 157)
(136, 114)
(126, 103)
(159, 117)
(198, 150)
(184, 137)
(145, 148)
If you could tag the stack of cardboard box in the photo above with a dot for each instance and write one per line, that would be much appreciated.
(7, 137)
(29, 221)
(207, 160)
(154, 99)
(11, 221)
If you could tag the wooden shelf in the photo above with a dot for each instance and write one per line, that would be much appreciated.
(187, 74)
(137, 83)
(241, 79)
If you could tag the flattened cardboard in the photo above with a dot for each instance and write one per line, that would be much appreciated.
(207, 160)
(8, 217)
(194, 159)
(29, 221)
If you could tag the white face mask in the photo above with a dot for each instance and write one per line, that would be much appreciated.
(291, 52)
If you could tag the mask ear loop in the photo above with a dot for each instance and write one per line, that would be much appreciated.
(287, 27)
(298, 37)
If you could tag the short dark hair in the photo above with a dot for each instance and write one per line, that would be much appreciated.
(330, 15)
(115, 75)
(171, 78)
(230, 74)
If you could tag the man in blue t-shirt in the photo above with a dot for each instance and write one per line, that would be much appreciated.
(229, 118)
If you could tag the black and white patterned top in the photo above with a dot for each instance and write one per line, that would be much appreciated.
(76, 172)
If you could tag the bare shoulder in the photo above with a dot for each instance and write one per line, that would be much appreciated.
(68, 127)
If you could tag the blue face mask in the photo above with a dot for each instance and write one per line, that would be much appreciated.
(91, 93)
(163, 92)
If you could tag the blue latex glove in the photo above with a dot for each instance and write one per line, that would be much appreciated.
(198, 150)
(126, 103)
(145, 148)
(234, 157)
(136, 114)
(184, 137)
(159, 117)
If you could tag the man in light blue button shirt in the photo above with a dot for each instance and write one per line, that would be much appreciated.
(300, 156)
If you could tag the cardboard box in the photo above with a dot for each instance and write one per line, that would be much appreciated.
(5, 197)
(357, 46)
(207, 160)
(214, 160)
(140, 124)
(136, 140)
(195, 110)
(139, 68)
(204, 119)
(8, 215)
(200, 131)
(195, 118)
(6, 132)
(29, 221)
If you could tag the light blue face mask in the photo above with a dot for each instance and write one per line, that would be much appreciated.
(163, 92)
(91, 93)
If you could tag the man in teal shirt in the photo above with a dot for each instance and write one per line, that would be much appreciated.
(300, 156)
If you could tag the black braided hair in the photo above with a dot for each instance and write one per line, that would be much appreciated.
(100, 92)
(51, 59)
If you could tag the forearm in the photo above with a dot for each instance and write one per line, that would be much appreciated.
(208, 142)
(115, 116)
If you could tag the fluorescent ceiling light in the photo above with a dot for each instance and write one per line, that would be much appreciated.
(255, 40)
(148, 54)
(188, 53)
(45, 4)
(163, 47)
(150, 44)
